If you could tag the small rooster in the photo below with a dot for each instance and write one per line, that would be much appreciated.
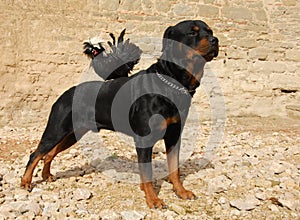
(116, 62)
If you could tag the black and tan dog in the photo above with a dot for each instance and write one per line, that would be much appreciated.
(131, 105)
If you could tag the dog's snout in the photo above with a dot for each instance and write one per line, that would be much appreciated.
(214, 40)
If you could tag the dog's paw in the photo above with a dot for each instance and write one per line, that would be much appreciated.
(26, 185)
(49, 178)
(185, 194)
(155, 203)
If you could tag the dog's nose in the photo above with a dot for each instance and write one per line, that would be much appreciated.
(214, 40)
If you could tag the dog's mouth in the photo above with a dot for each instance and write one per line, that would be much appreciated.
(211, 54)
(208, 48)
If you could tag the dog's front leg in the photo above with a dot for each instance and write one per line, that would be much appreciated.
(145, 167)
(173, 165)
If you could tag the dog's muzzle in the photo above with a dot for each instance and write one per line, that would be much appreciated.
(214, 48)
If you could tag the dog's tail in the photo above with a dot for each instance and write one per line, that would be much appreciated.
(116, 61)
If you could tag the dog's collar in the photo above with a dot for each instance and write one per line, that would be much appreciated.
(182, 90)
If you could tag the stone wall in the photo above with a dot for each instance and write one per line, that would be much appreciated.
(41, 41)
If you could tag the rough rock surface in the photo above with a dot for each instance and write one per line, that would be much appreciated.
(255, 174)
(257, 66)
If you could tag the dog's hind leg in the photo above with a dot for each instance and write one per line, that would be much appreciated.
(49, 149)
(35, 157)
(58, 128)
(67, 142)
(48, 142)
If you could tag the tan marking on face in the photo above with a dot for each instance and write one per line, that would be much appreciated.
(203, 46)
(201, 49)
(196, 28)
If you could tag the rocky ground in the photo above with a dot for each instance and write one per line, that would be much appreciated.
(254, 174)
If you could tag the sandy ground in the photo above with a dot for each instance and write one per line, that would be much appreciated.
(255, 173)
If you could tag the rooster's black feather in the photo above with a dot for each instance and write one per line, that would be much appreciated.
(118, 62)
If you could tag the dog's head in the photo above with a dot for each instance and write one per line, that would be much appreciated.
(188, 46)
(191, 38)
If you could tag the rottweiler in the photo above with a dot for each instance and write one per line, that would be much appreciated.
(150, 105)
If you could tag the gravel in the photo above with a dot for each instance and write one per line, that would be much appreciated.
(254, 174)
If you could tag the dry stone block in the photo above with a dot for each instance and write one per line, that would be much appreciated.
(208, 11)
(178, 209)
(236, 53)
(259, 53)
(256, 37)
(285, 82)
(293, 55)
(148, 7)
(209, 1)
(183, 10)
(131, 5)
(270, 67)
(163, 6)
(260, 15)
(236, 13)
(247, 43)
(82, 194)
(293, 111)
(110, 5)
(133, 215)
(289, 2)
(247, 204)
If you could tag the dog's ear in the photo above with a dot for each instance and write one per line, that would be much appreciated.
(167, 37)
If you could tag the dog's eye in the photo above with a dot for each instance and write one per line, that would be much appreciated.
(193, 34)
(209, 31)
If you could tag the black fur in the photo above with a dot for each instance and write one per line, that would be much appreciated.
(127, 104)
(118, 62)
